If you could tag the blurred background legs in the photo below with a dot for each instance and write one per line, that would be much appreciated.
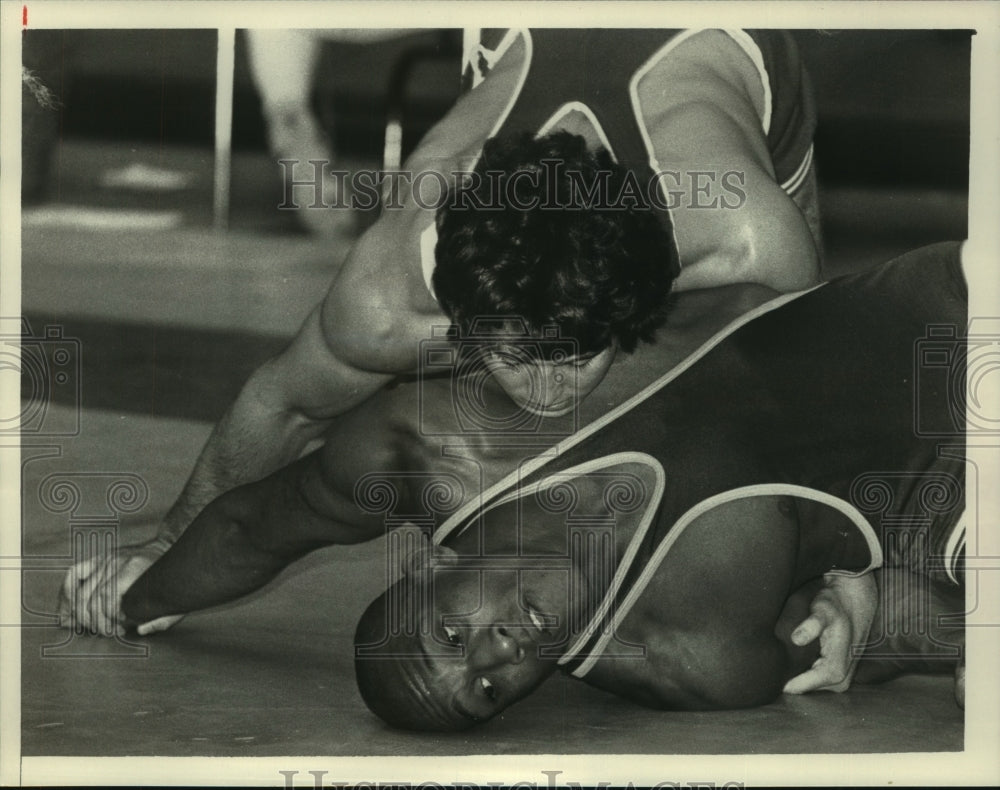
(283, 64)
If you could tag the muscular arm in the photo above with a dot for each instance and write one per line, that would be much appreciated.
(363, 333)
(708, 616)
(702, 117)
(285, 403)
(243, 539)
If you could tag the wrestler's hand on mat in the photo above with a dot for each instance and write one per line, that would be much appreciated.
(91, 593)
(840, 617)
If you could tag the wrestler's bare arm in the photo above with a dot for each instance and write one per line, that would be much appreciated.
(243, 539)
(707, 619)
(285, 403)
(365, 331)
(742, 227)
(348, 348)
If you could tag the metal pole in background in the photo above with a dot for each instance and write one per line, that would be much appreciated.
(224, 71)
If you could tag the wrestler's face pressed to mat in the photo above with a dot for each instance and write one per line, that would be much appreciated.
(546, 387)
(500, 620)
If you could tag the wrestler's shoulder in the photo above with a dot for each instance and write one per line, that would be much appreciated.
(707, 66)
(383, 269)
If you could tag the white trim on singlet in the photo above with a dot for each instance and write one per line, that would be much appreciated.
(635, 542)
(508, 41)
(749, 46)
(591, 428)
(428, 241)
(586, 468)
(800, 174)
(625, 563)
(578, 106)
(472, 48)
(493, 56)
(633, 89)
(745, 492)
(739, 37)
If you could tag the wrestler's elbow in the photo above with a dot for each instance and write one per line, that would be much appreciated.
(780, 255)
(761, 677)
(719, 695)
(778, 250)
(257, 532)
(337, 359)
(723, 689)
(771, 256)
(744, 678)
(362, 327)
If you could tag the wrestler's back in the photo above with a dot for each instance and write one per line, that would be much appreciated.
(765, 408)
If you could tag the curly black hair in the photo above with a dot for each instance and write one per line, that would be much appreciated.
(600, 270)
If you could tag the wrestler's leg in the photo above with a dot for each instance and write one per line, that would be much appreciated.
(918, 628)
(282, 63)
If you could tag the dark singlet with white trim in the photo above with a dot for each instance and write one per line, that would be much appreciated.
(595, 67)
(831, 392)
(828, 392)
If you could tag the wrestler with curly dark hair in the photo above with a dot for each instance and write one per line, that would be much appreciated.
(599, 270)
(545, 233)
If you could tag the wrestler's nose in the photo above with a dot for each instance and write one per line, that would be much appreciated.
(495, 646)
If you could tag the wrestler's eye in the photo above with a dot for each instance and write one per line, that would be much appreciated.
(488, 688)
(535, 619)
(452, 635)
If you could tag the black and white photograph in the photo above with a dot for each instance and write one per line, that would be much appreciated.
(467, 394)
